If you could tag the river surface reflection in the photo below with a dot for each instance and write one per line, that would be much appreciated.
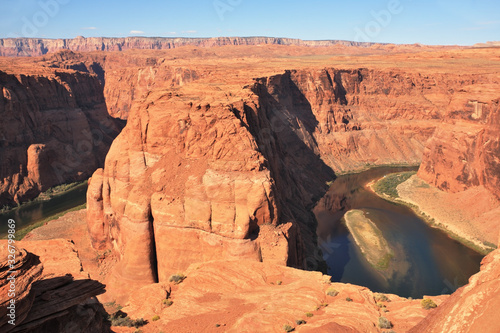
(427, 261)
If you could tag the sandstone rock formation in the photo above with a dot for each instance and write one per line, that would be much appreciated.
(183, 179)
(55, 129)
(247, 296)
(28, 269)
(52, 300)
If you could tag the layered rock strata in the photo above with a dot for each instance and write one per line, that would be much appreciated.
(36, 47)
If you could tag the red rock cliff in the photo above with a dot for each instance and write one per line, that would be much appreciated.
(55, 129)
(464, 154)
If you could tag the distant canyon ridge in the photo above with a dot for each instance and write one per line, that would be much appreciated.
(39, 46)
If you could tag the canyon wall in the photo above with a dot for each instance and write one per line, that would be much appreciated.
(465, 154)
(355, 118)
(55, 129)
(125, 77)
(38, 46)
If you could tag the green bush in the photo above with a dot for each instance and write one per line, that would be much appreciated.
(380, 298)
(428, 304)
(288, 328)
(300, 322)
(348, 299)
(309, 314)
(168, 302)
(155, 318)
(119, 318)
(384, 323)
(177, 278)
(332, 292)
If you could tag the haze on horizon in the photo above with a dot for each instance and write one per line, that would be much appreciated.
(442, 22)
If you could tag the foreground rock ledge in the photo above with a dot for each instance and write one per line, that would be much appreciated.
(48, 298)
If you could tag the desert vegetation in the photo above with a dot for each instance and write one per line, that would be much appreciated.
(428, 304)
(332, 292)
(177, 278)
(120, 318)
(384, 323)
(388, 185)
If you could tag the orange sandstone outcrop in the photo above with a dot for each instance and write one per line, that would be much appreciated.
(17, 280)
(47, 296)
(247, 296)
(181, 179)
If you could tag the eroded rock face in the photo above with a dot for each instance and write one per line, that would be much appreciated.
(55, 129)
(352, 118)
(465, 154)
(185, 180)
(52, 293)
(27, 270)
(126, 78)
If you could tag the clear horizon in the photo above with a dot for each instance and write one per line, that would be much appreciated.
(431, 22)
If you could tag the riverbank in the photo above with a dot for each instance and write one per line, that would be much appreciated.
(21, 233)
(51, 193)
(35, 213)
(470, 217)
(369, 166)
(369, 239)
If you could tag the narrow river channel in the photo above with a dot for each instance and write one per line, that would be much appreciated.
(427, 261)
(34, 212)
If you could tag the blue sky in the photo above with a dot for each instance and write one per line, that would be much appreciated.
(394, 21)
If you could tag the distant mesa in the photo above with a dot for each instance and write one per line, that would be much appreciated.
(40, 46)
(488, 44)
